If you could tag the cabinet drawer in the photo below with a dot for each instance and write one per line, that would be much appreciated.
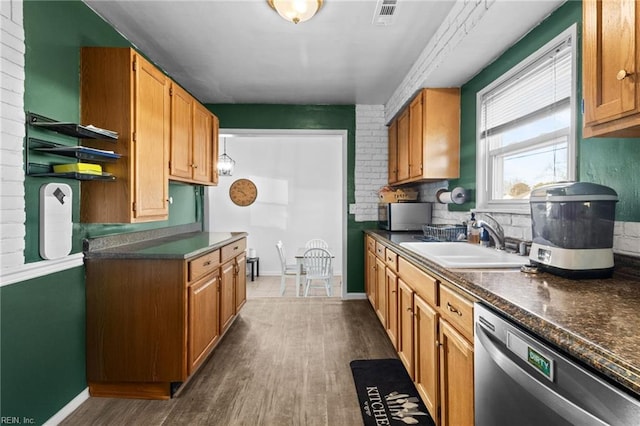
(421, 282)
(232, 250)
(391, 259)
(203, 265)
(457, 310)
(380, 250)
(371, 244)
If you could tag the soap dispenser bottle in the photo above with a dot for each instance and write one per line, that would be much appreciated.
(473, 233)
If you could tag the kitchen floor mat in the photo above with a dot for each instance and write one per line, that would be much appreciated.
(387, 394)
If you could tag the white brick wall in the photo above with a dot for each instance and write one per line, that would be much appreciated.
(462, 18)
(371, 161)
(12, 206)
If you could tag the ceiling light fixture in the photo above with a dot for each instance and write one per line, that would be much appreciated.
(296, 10)
(225, 163)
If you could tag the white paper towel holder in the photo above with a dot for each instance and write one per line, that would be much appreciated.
(456, 196)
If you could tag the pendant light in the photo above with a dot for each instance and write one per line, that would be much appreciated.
(225, 163)
(296, 11)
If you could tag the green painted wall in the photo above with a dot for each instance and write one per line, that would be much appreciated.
(42, 321)
(42, 336)
(334, 117)
(607, 161)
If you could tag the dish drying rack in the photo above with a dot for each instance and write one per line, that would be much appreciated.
(444, 232)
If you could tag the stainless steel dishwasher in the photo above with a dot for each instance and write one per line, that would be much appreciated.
(519, 380)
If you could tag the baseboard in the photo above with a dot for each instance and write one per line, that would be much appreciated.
(355, 296)
(68, 409)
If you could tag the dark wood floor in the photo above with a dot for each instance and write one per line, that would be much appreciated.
(284, 362)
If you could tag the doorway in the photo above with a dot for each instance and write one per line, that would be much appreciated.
(301, 181)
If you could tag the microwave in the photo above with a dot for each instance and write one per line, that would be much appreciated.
(403, 216)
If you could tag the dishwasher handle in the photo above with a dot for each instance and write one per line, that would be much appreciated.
(556, 402)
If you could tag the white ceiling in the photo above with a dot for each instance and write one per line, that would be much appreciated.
(241, 51)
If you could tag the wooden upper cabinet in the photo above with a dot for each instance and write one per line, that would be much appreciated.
(194, 138)
(122, 91)
(181, 132)
(393, 152)
(402, 158)
(610, 68)
(427, 138)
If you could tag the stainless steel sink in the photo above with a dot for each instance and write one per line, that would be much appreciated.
(464, 255)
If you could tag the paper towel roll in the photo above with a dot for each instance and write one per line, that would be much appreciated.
(457, 196)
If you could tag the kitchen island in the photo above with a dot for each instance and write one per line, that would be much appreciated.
(595, 321)
(158, 303)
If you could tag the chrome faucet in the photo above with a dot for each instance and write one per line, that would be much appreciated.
(495, 232)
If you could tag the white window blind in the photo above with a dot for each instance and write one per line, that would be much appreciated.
(525, 126)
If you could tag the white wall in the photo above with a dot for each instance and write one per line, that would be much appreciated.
(300, 194)
(12, 205)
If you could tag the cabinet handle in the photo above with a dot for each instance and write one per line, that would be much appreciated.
(195, 166)
(393, 291)
(452, 309)
(409, 310)
(207, 263)
(622, 74)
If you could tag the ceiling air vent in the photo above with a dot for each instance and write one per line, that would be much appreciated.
(384, 12)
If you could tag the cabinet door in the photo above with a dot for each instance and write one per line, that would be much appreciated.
(416, 124)
(371, 277)
(204, 326)
(425, 331)
(392, 306)
(403, 146)
(151, 143)
(227, 294)
(405, 323)
(609, 60)
(456, 377)
(393, 152)
(202, 144)
(240, 282)
(381, 292)
(215, 128)
(181, 132)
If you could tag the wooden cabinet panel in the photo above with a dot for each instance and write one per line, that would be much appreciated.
(203, 143)
(123, 92)
(381, 292)
(232, 250)
(416, 119)
(227, 294)
(136, 321)
(391, 259)
(610, 60)
(204, 264)
(426, 354)
(391, 284)
(457, 310)
(240, 282)
(456, 377)
(204, 326)
(181, 132)
(403, 160)
(422, 283)
(393, 152)
(405, 324)
(370, 275)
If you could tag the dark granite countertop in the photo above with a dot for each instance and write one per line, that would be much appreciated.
(596, 321)
(154, 245)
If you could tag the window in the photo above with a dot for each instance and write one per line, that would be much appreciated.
(526, 127)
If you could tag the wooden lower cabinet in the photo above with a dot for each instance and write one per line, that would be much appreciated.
(430, 323)
(204, 319)
(456, 377)
(151, 323)
(392, 306)
(405, 325)
(425, 328)
(381, 292)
